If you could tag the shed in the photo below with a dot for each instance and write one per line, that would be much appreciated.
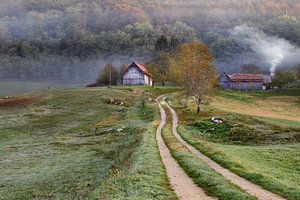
(137, 74)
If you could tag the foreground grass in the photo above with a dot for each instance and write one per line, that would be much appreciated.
(215, 184)
(274, 167)
(51, 149)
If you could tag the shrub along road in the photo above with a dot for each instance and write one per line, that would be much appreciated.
(251, 188)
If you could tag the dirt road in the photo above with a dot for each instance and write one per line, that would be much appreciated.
(181, 183)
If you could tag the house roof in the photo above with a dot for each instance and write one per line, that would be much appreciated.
(224, 74)
(246, 77)
(141, 67)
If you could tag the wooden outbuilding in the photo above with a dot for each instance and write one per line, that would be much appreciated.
(137, 74)
(238, 81)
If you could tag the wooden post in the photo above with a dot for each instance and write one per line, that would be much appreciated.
(109, 76)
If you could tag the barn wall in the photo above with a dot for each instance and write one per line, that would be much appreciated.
(133, 76)
(226, 83)
(247, 85)
(148, 80)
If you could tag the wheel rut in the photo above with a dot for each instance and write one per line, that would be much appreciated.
(246, 185)
(182, 184)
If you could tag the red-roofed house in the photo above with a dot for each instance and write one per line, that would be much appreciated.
(241, 81)
(137, 74)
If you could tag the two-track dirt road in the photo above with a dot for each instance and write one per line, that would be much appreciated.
(181, 183)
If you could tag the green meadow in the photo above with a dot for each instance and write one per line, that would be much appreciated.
(78, 144)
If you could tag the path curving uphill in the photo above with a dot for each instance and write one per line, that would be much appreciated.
(246, 185)
(182, 184)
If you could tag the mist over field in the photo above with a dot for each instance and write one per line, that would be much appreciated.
(71, 40)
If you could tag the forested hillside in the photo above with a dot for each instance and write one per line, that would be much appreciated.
(70, 40)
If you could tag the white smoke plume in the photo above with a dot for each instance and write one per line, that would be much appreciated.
(274, 51)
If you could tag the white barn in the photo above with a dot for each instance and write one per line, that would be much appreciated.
(137, 74)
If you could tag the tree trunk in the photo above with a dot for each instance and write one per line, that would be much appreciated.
(198, 108)
(186, 101)
(163, 83)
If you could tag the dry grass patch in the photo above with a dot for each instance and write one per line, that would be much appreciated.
(273, 107)
(12, 102)
(107, 122)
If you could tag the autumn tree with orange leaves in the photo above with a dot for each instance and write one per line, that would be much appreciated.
(194, 70)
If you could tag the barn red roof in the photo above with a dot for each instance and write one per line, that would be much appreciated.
(141, 67)
(246, 77)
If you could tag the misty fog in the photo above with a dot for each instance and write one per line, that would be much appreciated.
(70, 41)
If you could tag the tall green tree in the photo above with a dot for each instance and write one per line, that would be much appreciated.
(283, 79)
(160, 70)
(162, 44)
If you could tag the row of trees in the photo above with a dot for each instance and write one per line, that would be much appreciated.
(77, 58)
(134, 39)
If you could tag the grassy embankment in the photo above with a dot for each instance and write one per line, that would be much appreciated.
(254, 141)
(50, 149)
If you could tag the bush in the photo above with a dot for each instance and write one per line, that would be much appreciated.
(241, 132)
(248, 132)
(212, 130)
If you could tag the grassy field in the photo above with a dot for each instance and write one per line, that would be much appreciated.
(100, 144)
(13, 88)
(259, 139)
(66, 145)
